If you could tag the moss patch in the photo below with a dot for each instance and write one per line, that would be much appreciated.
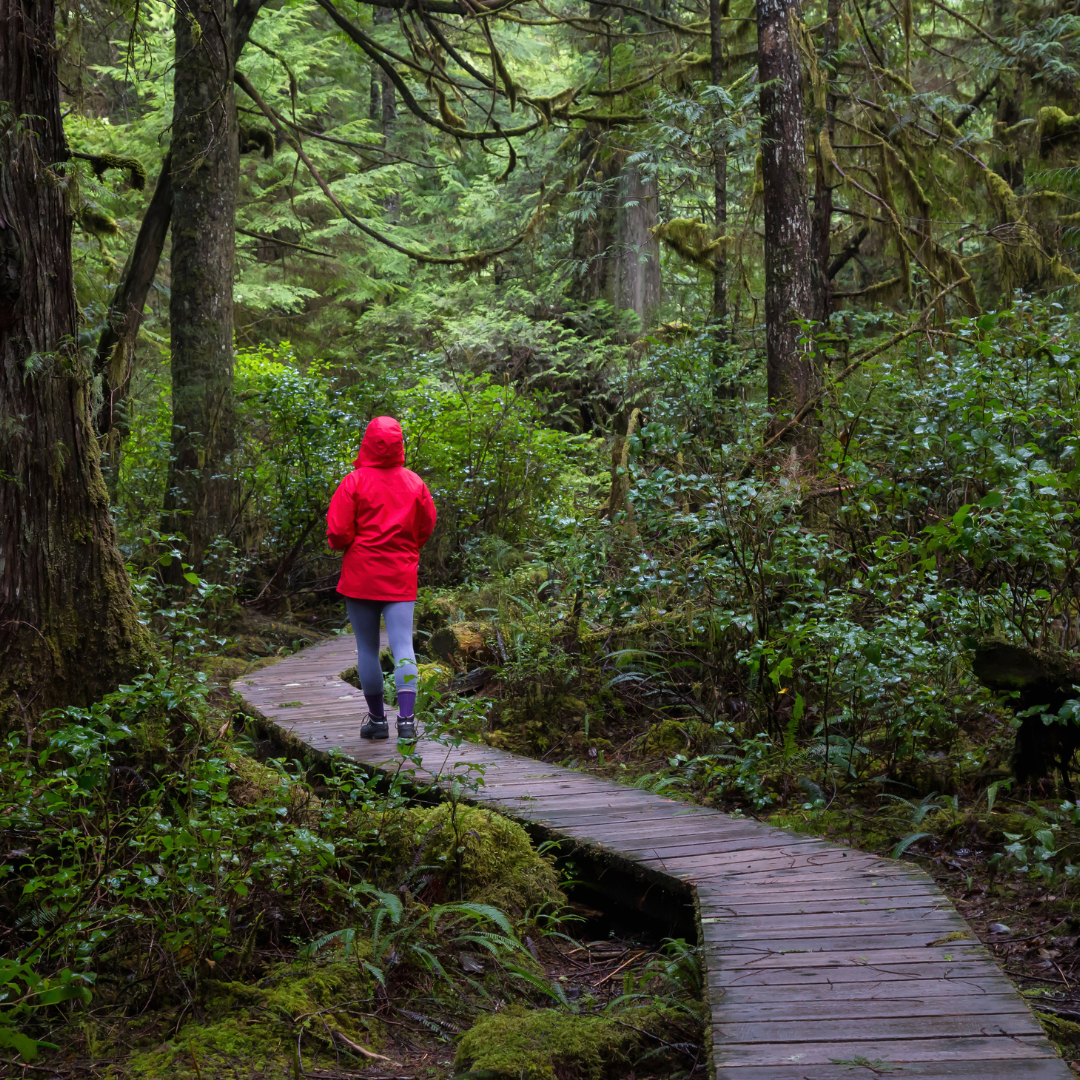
(471, 854)
(255, 1028)
(545, 1044)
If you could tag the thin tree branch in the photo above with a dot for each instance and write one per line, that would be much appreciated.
(477, 260)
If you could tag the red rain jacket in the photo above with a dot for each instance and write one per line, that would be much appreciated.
(381, 516)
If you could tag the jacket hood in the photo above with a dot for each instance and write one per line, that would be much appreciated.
(383, 446)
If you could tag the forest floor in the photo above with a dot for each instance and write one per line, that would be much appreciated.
(1030, 924)
(256, 1031)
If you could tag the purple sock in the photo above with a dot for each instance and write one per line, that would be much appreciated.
(406, 703)
(375, 706)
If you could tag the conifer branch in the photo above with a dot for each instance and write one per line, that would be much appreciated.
(474, 261)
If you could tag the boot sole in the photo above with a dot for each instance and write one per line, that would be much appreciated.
(375, 737)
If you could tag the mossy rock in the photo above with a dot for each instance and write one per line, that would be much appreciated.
(544, 1045)
(509, 739)
(498, 863)
(667, 737)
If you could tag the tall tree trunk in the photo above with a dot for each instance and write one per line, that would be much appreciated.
(388, 103)
(821, 226)
(615, 249)
(375, 106)
(205, 160)
(718, 315)
(792, 379)
(68, 626)
(116, 346)
(635, 276)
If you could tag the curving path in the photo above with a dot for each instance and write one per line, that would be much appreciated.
(823, 963)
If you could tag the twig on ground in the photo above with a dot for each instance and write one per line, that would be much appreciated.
(365, 1051)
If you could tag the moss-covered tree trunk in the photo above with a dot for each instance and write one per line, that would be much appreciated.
(616, 255)
(116, 346)
(68, 626)
(825, 123)
(718, 314)
(199, 501)
(792, 379)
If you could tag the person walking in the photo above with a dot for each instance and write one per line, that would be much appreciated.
(381, 516)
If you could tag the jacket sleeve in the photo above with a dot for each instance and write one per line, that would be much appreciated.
(425, 517)
(341, 517)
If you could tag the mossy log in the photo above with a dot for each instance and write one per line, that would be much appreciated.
(1039, 678)
(461, 644)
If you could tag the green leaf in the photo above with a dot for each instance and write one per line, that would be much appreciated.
(10, 1039)
(906, 843)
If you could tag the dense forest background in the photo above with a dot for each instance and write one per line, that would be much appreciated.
(738, 346)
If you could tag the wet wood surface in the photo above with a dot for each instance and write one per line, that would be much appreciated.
(822, 962)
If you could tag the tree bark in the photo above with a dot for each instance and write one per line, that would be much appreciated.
(636, 271)
(205, 160)
(68, 626)
(718, 314)
(792, 379)
(617, 253)
(821, 228)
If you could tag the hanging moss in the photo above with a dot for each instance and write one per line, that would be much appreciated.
(101, 163)
(509, 86)
(693, 240)
(910, 184)
(693, 68)
(449, 117)
(885, 190)
(256, 139)
(98, 224)
(1056, 127)
(882, 292)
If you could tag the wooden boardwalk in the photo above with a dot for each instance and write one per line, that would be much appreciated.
(823, 963)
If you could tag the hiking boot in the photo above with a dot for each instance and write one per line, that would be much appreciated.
(406, 728)
(375, 727)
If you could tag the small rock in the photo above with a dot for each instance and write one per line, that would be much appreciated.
(470, 964)
(999, 928)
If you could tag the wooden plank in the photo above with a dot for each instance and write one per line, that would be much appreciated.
(984, 1069)
(872, 1029)
(818, 956)
(951, 1003)
(874, 953)
(691, 845)
(935, 925)
(887, 900)
(827, 974)
(933, 922)
(987, 983)
(890, 1051)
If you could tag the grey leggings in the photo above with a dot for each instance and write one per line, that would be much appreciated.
(398, 615)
